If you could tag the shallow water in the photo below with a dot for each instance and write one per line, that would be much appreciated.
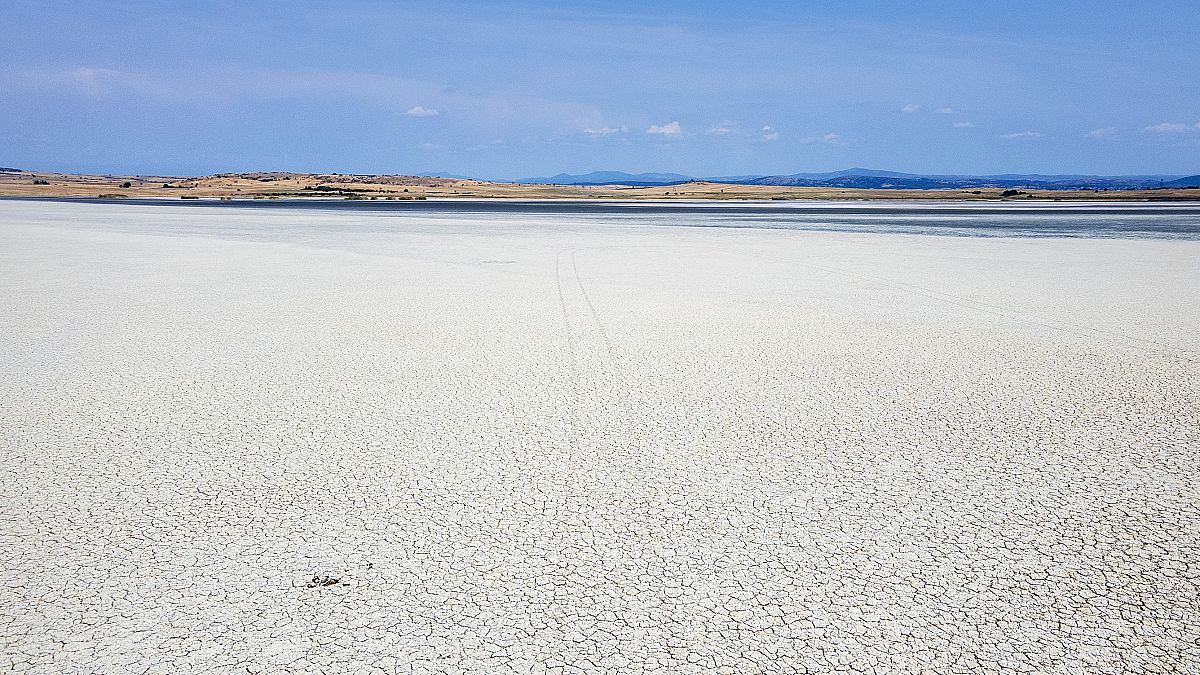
(1093, 220)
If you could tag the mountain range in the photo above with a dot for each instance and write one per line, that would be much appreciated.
(858, 177)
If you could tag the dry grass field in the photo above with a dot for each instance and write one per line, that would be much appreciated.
(266, 185)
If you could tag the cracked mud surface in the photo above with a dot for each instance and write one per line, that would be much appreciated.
(291, 442)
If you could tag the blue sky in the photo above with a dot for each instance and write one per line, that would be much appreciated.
(505, 90)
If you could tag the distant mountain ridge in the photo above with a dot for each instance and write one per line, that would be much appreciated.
(858, 177)
(1185, 182)
(866, 178)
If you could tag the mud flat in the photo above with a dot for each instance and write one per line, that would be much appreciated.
(277, 440)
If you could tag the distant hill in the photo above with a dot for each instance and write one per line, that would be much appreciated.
(1186, 181)
(442, 174)
(856, 171)
(858, 177)
(370, 187)
(867, 178)
(736, 180)
(609, 178)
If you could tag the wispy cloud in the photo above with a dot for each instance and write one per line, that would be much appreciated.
(601, 132)
(670, 129)
(421, 111)
(719, 131)
(946, 111)
(484, 113)
(911, 108)
(1022, 136)
(963, 125)
(106, 82)
(484, 146)
(1166, 128)
(827, 138)
(769, 134)
(1102, 134)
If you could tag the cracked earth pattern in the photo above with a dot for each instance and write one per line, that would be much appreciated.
(270, 441)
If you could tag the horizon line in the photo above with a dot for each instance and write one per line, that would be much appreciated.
(454, 175)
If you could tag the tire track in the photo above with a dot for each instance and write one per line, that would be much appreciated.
(572, 360)
(599, 384)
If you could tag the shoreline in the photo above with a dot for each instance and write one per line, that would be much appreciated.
(1030, 219)
(648, 201)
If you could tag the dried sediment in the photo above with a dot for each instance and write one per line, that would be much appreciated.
(273, 442)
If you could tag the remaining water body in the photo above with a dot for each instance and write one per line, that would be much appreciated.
(1108, 220)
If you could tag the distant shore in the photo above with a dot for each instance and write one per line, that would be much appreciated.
(268, 185)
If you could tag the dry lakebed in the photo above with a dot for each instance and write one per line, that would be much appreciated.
(577, 437)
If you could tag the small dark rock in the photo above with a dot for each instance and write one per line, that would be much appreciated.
(322, 580)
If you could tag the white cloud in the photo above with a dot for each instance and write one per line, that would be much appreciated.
(719, 131)
(1101, 134)
(1022, 136)
(963, 125)
(603, 131)
(1198, 125)
(946, 111)
(1166, 128)
(911, 108)
(829, 138)
(419, 111)
(769, 134)
(670, 129)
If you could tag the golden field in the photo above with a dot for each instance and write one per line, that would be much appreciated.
(266, 185)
